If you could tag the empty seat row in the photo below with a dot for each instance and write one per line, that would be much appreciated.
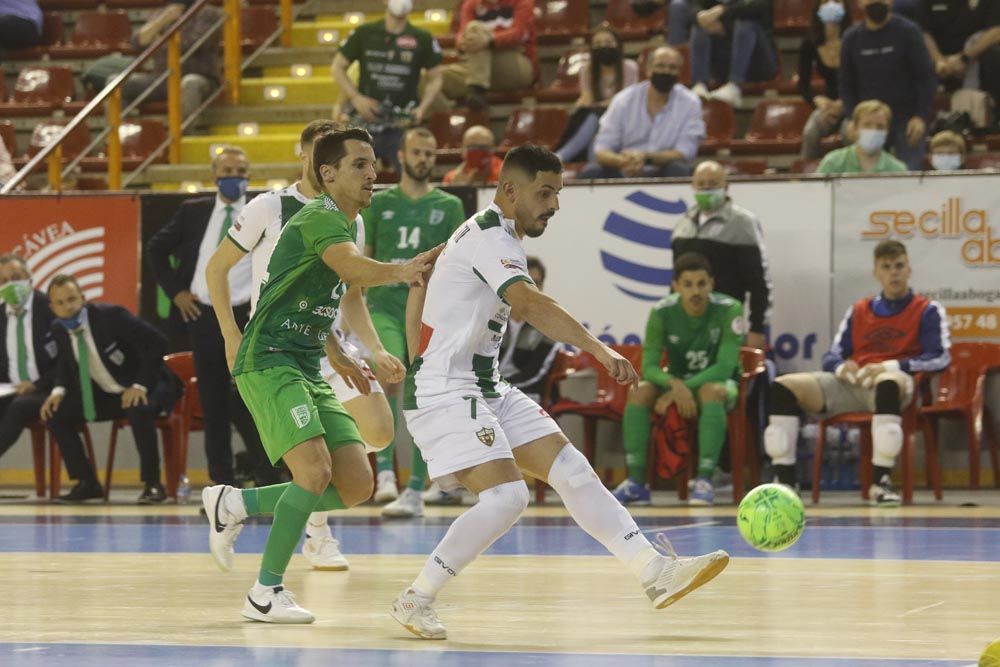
(139, 139)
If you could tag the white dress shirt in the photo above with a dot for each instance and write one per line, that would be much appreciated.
(240, 279)
(29, 343)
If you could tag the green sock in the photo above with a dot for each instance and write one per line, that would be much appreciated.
(330, 500)
(264, 499)
(290, 516)
(636, 427)
(711, 435)
(383, 459)
(418, 476)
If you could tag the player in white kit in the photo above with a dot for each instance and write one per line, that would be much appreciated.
(476, 430)
(255, 232)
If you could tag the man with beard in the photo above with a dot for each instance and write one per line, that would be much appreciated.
(401, 223)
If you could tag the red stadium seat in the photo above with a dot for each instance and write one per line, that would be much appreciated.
(134, 4)
(776, 127)
(804, 167)
(97, 34)
(448, 128)
(682, 49)
(566, 86)
(744, 167)
(75, 5)
(629, 25)
(448, 41)
(559, 21)
(537, 125)
(720, 125)
(792, 17)
(46, 131)
(52, 34)
(139, 139)
(38, 91)
(982, 161)
(8, 136)
(257, 24)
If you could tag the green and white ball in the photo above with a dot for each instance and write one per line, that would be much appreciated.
(771, 517)
(991, 656)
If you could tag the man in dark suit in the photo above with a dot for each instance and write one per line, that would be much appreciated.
(110, 365)
(27, 349)
(191, 237)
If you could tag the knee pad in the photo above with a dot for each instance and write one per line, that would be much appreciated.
(887, 439)
(780, 438)
(509, 499)
(571, 470)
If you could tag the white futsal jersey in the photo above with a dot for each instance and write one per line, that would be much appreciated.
(464, 313)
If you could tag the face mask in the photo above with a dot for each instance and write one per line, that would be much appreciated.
(400, 8)
(74, 322)
(946, 161)
(709, 200)
(663, 82)
(871, 141)
(16, 292)
(830, 12)
(877, 11)
(645, 7)
(232, 187)
(606, 55)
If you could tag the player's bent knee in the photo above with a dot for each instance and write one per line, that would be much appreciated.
(571, 469)
(512, 496)
(356, 491)
(315, 479)
(380, 436)
(712, 392)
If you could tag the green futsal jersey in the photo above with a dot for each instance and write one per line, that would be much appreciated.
(699, 349)
(398, 229)
(300, 294)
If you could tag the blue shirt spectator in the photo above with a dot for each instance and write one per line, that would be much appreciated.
(20, 24)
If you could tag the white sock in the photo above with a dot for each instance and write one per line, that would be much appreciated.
(233, 503)
(598, 512)
(317, 525)
(260, 589)
(471, 534)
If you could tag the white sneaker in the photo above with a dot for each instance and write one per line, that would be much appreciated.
(883, 494)
(275, 605)
(679, 576)
(729, 93)
(409, 505)
(223, 528)
(700, 90)
(323, 553)
(435, 496)
(385, 488)
(414, 612)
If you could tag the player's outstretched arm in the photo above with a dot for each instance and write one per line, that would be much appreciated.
(545, 314)
(414, 313)
(225, 257)
(356, 269)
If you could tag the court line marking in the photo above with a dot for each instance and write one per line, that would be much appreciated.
(920, 609)
(696, 524)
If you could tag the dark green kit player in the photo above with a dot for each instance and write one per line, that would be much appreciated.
(402, 222)
(277, 372)
(701, 332)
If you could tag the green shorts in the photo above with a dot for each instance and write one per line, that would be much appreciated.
(290, 408)
(392, 333)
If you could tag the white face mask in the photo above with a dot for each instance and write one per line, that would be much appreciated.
(400, 8)
(872, 141)
(946, 161)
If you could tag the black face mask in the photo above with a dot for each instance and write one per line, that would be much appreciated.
(645, 7)
(606, 55)
(877, 11)
(663, 82)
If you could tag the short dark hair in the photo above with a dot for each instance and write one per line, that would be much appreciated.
(63, 279)
(889, 250)
(535, 263)
(318, 128)
(14, 257)
(531, 159)
(329, 149)
(417, 131)
(691, 261)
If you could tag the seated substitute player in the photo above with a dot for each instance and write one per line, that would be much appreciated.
(881, 341)
(277, 371)
(476, 430)
(255, 231)
(701, 331)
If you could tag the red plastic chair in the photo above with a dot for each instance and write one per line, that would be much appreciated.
(560, 21)
(566, 85)
(38, 91)
(75, 5)
(46, 132)
(8, 136)
(629, 25)
(448, 128)
(52, 34)
(97, 34)
(38, 430)
(776, 126)
(139, 139)
(792, 17)
(802, 166)
(537, 125)
(720, 124)
(755, 167)
(447, 41)
(982, 161)
(961, 393)
(257, 24)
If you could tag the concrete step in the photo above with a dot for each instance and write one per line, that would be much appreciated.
(276, 92)
(265, 148)
(279, 113)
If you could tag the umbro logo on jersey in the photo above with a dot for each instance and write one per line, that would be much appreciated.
(673, 339)
(388, 215)
(437, 216)
(486, 436)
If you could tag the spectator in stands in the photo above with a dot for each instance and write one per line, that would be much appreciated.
(496, 39)
(732, 42)
(480, 166)
(20, 24)
(526, 354)
(196, 230)
(680, 17)
(199, 73)
(732, 239)
(606, 73)
(884, 58)
(28, 350)
(821, 47)
(652, 128)
(880, 343)
(947, 26)
(386, 99)
(110, 366)
(870, 124)
(947, 151)
(977, 63)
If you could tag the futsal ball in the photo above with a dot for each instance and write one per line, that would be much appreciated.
(991, 656)
(771, 517)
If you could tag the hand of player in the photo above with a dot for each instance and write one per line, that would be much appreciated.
(50, 406)
(683, 399)
(415, 271)
(617, 366)
(848, 371)
(233, 342)
(22, 388)
(366, 107)
(390, 370)
(868, 374)
(663, 403)
(134, 396)
(355, 375)
(915, 130)
(188, 305)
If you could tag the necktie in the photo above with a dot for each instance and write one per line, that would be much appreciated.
(22, 349)
(86, 389)
(227, 223)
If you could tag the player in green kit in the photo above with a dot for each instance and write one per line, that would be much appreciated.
(277, 371)
(701, 332)
(402, 222)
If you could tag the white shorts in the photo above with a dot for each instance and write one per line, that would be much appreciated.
(341, 389)
(461, 432)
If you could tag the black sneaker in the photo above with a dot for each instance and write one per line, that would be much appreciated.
(882, 493)
(153, 494)
(84, 490)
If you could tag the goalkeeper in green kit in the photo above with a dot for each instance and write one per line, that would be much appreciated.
(401, 223)
(701, 332)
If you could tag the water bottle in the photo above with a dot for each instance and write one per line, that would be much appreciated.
(183, 490)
